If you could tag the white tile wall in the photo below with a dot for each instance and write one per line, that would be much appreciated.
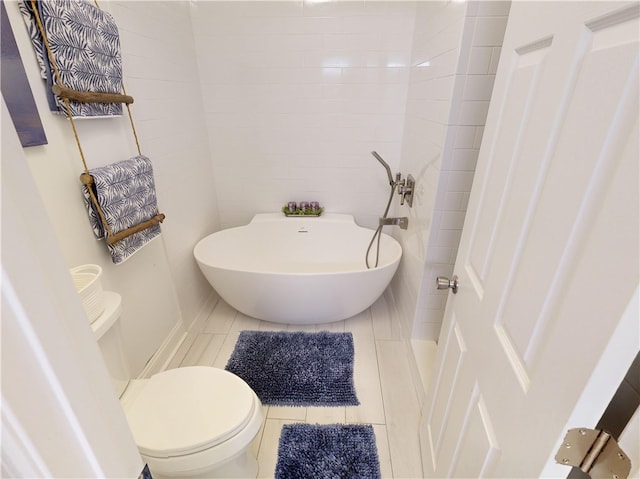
(272, 101)
(485, 23)
(296, 95)
(437, 37)
(285, 100)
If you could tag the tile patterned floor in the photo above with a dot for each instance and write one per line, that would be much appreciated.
(382, 378)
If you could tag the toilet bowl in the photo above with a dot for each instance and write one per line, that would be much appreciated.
(193, 422)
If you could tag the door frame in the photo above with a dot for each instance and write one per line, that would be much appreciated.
(605, 378)
(603, 384)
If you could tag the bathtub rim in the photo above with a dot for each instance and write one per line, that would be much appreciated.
(392, 261)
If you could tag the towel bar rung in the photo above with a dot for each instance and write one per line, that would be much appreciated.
(157, 219)
(90, 96)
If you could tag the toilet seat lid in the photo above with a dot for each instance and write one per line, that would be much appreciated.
(186, 410)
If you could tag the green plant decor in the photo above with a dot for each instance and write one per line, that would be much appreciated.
(302, 212)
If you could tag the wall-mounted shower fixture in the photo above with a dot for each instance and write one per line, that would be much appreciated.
(405, 189)
(402, 222)
(386, 166)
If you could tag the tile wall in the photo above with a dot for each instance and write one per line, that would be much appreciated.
(455, 57)
(296, 94)
(246, 105)
(485, 24)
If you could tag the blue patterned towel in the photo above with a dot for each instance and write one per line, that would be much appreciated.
(86, 48)
(127, 196)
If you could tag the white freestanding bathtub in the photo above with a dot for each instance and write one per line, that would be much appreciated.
(297, 270)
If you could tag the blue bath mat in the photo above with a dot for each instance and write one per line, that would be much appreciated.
(335, 451)
(296, 369)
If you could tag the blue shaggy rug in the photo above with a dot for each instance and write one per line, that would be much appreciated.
(335, 451)
(296, 369)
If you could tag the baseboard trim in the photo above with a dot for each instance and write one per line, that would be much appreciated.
(179, 348)
(424, 353)
(165, 352)
(197, 326)
(179, 339)
(416, 376)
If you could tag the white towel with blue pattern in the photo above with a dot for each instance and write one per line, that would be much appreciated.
(86, 49)
(127, 196)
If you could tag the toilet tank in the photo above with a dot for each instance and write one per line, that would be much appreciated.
(108, 334)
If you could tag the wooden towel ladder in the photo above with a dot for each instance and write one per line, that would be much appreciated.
(68, 94)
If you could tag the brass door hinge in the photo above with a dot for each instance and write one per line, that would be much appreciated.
(595, 452)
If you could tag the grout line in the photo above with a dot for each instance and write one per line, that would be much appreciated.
(384, 410)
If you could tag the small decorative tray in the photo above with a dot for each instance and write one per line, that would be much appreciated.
(299, 212)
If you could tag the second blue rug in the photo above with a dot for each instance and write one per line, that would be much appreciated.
(334, 451)
(296, 368)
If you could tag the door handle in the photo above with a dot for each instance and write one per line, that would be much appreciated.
(443, 282)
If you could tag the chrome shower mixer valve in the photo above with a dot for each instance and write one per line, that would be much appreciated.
(404, 187)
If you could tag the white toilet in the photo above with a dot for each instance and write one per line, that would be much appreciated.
(195, 422)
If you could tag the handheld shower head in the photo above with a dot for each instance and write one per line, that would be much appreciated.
(384, 163)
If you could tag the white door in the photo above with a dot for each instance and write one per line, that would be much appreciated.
(548, 261)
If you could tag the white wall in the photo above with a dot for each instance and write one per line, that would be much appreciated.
(294, 97)
(161, 70)
(297, 95)
(60, 417)
(280, 101)
(456, 48)
(160, 285)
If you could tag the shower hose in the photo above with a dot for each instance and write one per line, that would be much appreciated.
(378, 232)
